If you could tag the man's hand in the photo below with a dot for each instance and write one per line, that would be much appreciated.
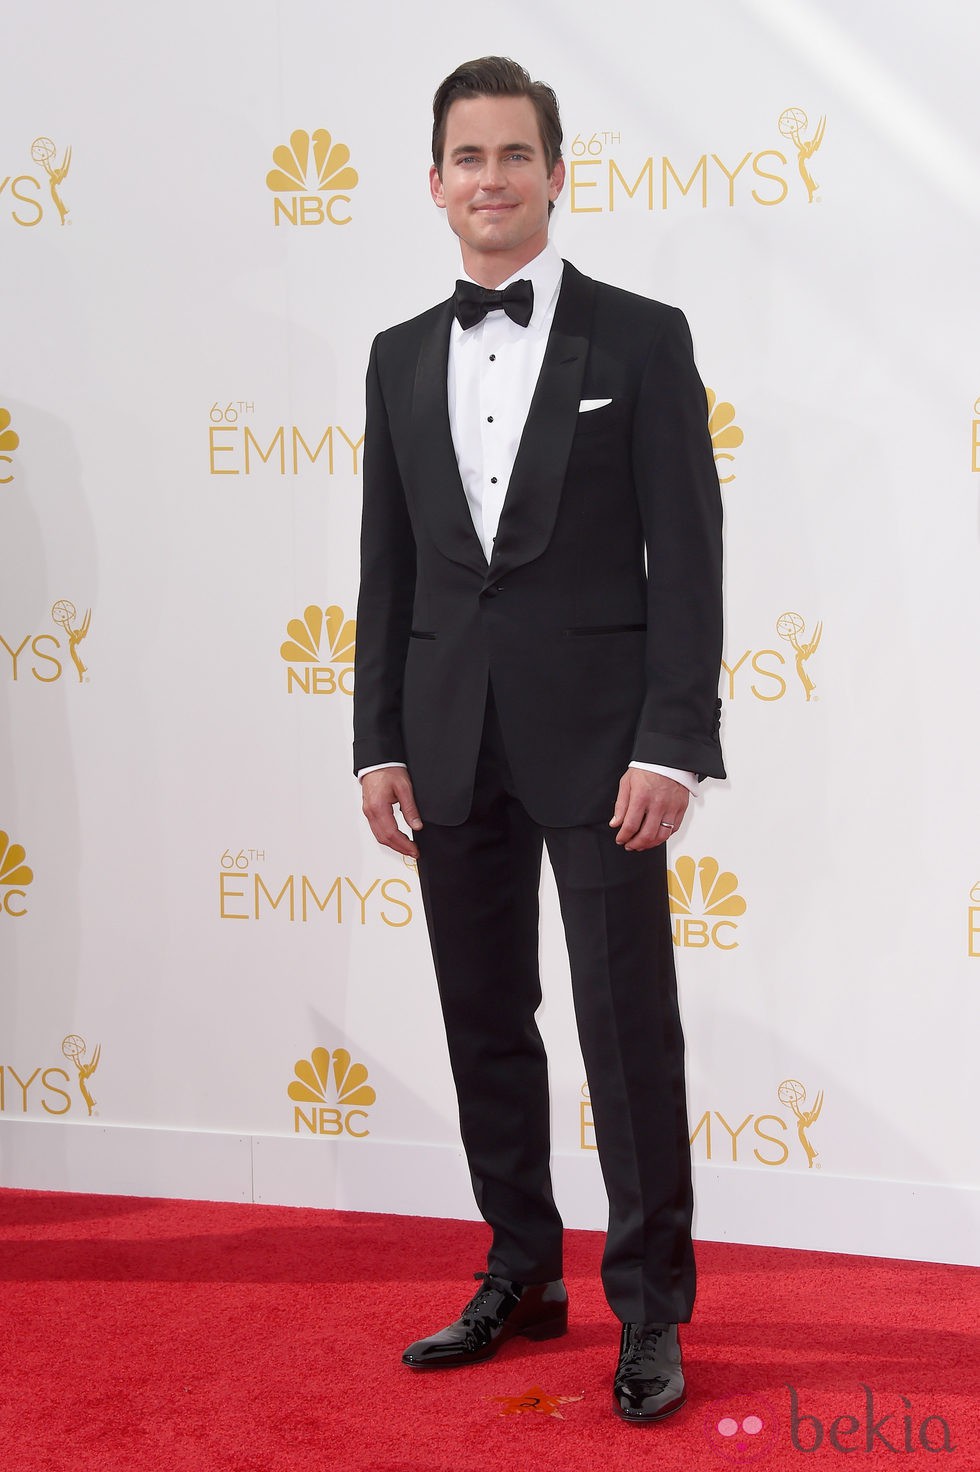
(381, 793)
(648, 808)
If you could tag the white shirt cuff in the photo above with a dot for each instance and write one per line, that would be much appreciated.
(686, 779)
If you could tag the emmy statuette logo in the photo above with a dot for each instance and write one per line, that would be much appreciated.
(44, 152)
(722, 1140)
(763, 673)
(717, 1138)
(316, 182)
(25, 192)
(74, 1048)
(9, 440)
(39, 653)
(792, 1093)
(791, 627)
(607, 173)
(64, 613)
(337, 1089)
(792, 124)
(46, 1090)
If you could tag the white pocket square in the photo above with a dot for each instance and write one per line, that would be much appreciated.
(587, 404)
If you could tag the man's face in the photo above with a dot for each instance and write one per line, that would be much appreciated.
(494, 185)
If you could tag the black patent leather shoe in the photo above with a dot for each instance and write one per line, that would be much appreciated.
(649, 1381)
(499, 1311)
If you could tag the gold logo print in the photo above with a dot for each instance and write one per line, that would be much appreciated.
(311, 190)
(63, 612)
(73, 1047)
(792, 1093)
(305, 634)
(13, 870)
(709, 919)
(331, 170)
(791, 124)
(9, 440)
(349, 1079)
(719, 894)
(725, 433)
(44, 152)
(790, 626)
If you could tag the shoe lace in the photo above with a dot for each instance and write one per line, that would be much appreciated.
(479, 1304)
(641, 1340)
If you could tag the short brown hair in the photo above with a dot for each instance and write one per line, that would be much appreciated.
(496, 76)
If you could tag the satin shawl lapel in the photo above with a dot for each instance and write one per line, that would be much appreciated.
(435, 468)
(531, 505)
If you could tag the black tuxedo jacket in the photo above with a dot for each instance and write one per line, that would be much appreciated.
(598, 619)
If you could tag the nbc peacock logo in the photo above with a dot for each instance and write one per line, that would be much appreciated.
(321, 643)
(9, 440)
(336, 1091)
(705, 903)
(725, 433)
(15, 877)
(315, 175)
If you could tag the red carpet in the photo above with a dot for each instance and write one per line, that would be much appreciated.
(191, 1337)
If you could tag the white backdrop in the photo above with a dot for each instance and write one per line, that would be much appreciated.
(213, 982)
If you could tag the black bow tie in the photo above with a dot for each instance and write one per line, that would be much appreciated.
(472, 303)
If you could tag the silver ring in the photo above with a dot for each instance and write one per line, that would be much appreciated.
(666, 825)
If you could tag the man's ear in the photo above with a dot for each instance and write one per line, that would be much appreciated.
(557, 180)
(435, 187)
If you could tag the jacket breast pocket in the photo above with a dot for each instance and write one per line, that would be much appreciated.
(610, 419)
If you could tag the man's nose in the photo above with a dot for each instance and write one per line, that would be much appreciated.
(492, 175)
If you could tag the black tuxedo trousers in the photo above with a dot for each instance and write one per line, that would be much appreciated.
(479, 884)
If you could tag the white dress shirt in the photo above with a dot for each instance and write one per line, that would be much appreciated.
(493, 372)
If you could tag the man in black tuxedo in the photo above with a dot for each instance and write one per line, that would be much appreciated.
(538, 650)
